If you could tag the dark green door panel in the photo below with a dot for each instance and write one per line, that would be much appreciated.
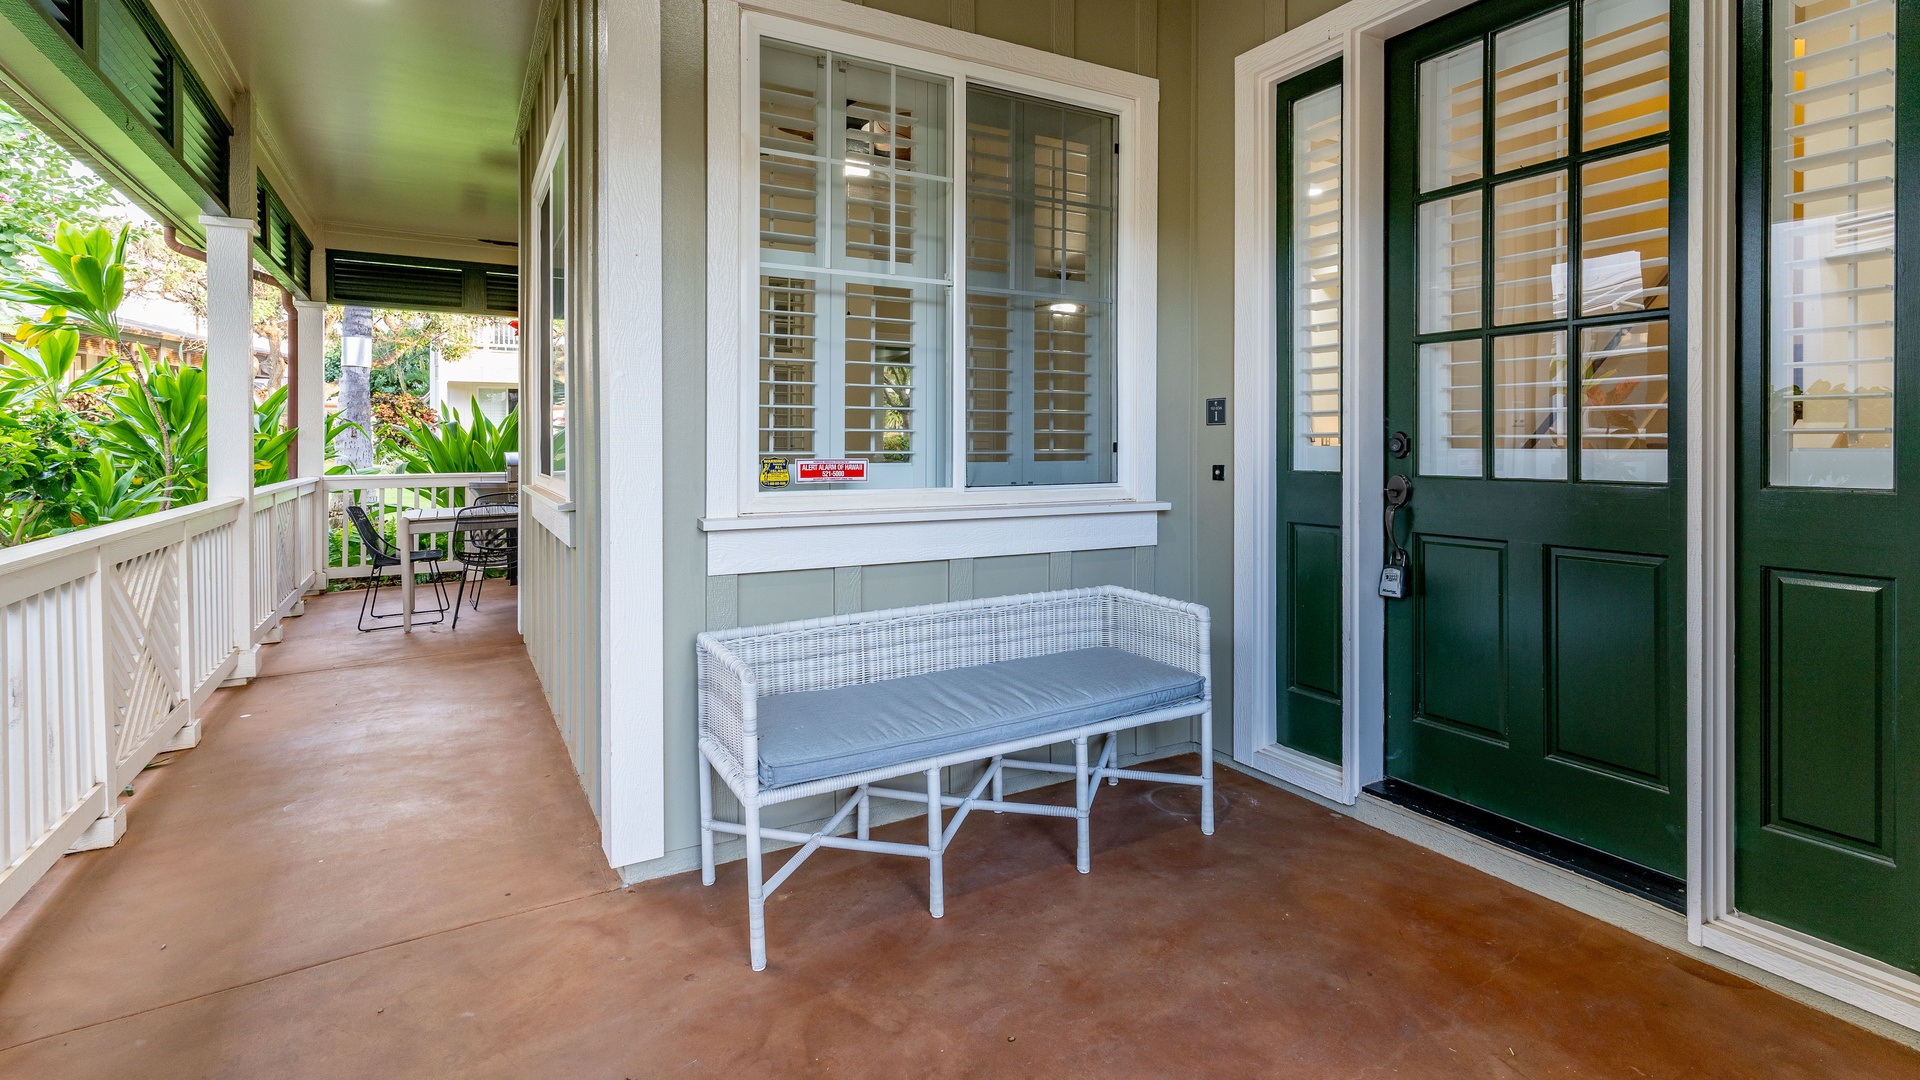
(1306, 525)
(1827, 763)
(1309, 717)
(1608, 707)
(1830, 673)
(1538, 670)
(1461, 643)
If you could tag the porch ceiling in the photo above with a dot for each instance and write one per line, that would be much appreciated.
(385, 117)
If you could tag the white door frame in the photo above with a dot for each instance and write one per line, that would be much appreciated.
(1358, 32)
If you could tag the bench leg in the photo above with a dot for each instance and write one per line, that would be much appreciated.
(1206, 773)
(936, 879)
(706, 821)
(999, 784)
(1080, 805)
(863, 820)
(1112, 757)
(756, 896)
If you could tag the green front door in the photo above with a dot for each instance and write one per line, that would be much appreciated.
(1307, 405)
(1536, 668)
(1828, 586)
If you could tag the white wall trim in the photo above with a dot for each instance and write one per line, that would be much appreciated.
(1857, 980)
(1712, 428)
(549, 512)
(732, 266)
(1360, 30)
(629, 326)
(766, 543)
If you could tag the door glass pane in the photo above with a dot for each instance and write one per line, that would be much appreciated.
(1530, 90)
(1831, 367)
(1624, 63)
(1450, 408)
(1530, 406)
(1623, 402)
(1451, 121)
(1530, 249)
(1316, 281)
(1450, 264)
(1623, 234)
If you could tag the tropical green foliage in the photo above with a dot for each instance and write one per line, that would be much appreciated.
(475, 445)
(80, 448)
(44, 185)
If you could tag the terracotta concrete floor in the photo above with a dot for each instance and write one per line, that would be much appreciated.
(378, 864)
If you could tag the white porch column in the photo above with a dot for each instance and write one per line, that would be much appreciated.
(312, 419)
(230, 405)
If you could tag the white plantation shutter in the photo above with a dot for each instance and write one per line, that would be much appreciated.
(1040, 286)
(854, 187)
(1832, 359)
(1316, 281)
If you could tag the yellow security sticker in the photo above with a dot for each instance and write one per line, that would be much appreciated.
(774, 473)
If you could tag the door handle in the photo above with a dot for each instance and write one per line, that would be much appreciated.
(1393, 576)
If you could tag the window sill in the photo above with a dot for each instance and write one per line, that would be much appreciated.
(762, 543)
(551, 513)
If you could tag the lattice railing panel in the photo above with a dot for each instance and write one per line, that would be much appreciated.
(141, 598)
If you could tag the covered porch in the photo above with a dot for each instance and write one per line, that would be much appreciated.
(377, 863)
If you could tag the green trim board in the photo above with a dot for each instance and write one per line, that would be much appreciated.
(105, 78)
(1537, 668)
(416, 283)
(1307, 709)
(1826, 804)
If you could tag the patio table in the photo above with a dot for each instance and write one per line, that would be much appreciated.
(445, 519)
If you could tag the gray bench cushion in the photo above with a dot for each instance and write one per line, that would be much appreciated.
(816, 734)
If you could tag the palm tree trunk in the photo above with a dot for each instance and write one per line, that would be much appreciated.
(354, 445)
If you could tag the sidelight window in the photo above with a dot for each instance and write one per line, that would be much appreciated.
(1831, 245)
(1314, 148)
(1543, 248)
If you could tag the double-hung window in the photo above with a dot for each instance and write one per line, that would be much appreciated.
(546, 320)
(935, 261)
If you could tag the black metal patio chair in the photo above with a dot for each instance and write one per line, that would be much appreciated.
(486, 548)
(383, 556)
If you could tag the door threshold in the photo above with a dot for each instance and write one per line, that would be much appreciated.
(1610, 870)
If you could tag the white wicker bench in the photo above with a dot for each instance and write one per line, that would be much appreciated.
(842, 704)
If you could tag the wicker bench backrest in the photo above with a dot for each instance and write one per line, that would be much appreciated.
(821, 654)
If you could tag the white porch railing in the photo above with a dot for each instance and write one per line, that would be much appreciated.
(385, 496)
(286, 525)
(112, 638)
(109, 640)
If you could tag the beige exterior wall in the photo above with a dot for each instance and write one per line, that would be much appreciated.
(560, 584)
(1189, 45)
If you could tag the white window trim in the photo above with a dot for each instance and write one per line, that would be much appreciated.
(557, 490)
(1359, 31)
(760, 528)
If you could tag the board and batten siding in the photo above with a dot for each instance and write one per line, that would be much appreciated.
(561, 581)
(1189, 45)
(1149, 37)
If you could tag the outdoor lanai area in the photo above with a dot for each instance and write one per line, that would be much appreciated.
(344, 883)
(959, 538)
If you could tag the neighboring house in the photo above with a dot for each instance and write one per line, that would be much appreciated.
(486, 378)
